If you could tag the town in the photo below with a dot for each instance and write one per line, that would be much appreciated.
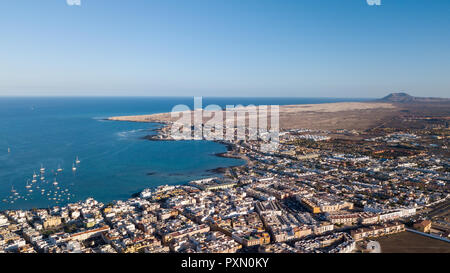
(320, 191)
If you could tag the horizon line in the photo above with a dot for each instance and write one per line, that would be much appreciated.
(173, 96)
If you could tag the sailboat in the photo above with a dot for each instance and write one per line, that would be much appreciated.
(42, 168)
(34, 180)
(28, 185)
(59, 169)
(34, 175)
(9, 150)
(73, 167)
(55, 182)
(14, 191)
(77, 161)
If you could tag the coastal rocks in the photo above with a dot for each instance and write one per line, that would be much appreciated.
(155, 138)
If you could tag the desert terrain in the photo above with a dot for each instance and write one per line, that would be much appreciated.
(327, 116)
(333, 116)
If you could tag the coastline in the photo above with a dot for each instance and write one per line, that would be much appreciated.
(339, 108)
(286, 111)
(321, 113)
(279, 176)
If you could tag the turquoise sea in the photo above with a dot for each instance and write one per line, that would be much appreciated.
(115, 161)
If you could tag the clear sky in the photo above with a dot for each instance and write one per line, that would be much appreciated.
(302, 48)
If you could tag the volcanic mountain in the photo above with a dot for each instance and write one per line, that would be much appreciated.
(406, 98)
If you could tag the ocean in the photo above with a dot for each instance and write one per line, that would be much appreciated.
(115, 161)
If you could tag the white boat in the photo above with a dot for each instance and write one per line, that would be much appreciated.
(42, 169)
(59, 169)
(73, 167)
(55, 183)
(28, 185)
(42, 178)
(77, 161)
(34, 175)
(33, 180)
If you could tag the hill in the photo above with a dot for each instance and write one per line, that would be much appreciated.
(406, 98)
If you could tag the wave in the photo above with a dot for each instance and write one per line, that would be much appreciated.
(101, 119)
(130, 133)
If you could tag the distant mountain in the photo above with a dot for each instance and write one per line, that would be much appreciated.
(406, 98)
(398, 97)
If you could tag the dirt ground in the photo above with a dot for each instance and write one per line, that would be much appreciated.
(327, 116)
(409, 242)
(330, 116)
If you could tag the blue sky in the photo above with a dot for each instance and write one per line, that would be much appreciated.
(301, 48)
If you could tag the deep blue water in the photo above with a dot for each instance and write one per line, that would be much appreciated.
(115, 160)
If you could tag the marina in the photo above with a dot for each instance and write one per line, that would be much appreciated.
(55, 194)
